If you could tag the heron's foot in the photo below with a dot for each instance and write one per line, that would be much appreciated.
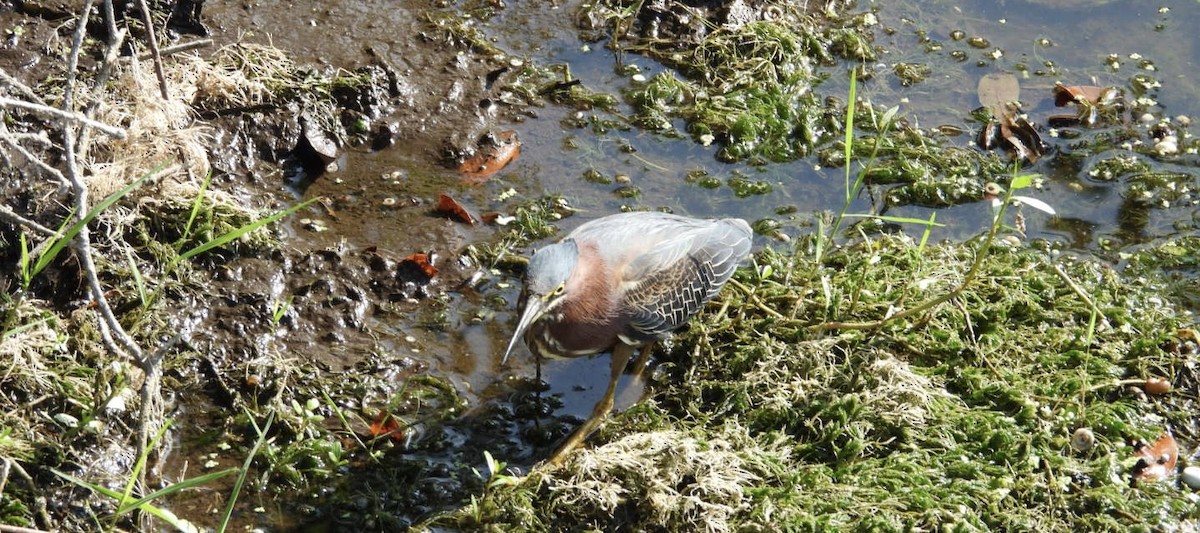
(576, 439)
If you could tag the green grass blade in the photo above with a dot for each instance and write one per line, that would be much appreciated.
(176, 487)
(138, 281)
(199, 201)
(239, 232)
(23, 263)
(928, 229)
(243, 471)
(143, 504)
(44, 260)
(897, 220)
(849, 140)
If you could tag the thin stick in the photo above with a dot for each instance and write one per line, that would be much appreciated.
(1079, 291)
(21, 87)
(181, 47)
(68, 116)
(17, 220)
(18, 529)
(110, 326)
(152, 40)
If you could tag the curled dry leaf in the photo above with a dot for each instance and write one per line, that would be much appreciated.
(1086, 98)
(494, 153)
(1156, 461)
(1000, 93)
(451, 208)
(1021, 136)
(387, 425)
(422, 262)
(1089, 94)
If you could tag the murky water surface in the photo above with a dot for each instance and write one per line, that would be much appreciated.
(1082, 43)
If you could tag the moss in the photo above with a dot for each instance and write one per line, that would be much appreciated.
(957, 419)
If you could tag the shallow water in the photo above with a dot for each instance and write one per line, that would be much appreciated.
(467, 351)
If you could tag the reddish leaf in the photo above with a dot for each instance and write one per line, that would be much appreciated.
(387, 425)
(421, 262)
(1156, 461)
(502, 149)
(450, 207)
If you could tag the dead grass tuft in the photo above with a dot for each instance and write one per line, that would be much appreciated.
(669, 476)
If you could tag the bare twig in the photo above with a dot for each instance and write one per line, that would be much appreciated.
(21, 88)
(11, 466)
(8, 138)
(17, 220)
(152, 41)
(64, 115)
(181, 47)
(110, 327)
(116, 37)
(1087, 299)
(19, 529)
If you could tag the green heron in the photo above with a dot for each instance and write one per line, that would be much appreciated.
(620, 283)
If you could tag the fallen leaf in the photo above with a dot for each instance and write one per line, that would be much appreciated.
(494, 153)
(450, 207)
(422, 262)
(1036, 204)
(1090, 94)
(997, 90)
(1156, 461)
(386, 425)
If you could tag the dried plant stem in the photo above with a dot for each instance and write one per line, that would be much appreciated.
(13, 218)
(63, 114)
(152, 41)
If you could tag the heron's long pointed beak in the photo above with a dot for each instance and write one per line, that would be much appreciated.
(534, 309)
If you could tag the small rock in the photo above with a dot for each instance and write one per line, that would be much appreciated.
(66, 420)
(1083, 440)
(1191, 477)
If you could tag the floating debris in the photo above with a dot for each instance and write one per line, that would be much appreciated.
(1088, 100)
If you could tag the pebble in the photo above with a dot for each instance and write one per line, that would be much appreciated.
(1191, 477)
(1083, 439)
(1168, 145)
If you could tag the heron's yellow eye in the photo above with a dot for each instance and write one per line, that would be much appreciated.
(559, 290)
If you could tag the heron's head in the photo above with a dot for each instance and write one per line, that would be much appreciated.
(545, 285)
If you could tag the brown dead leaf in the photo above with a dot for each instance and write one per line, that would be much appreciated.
(387, 425)
(1156, 461)
(451, 208)
(997, 90)
(422, 262)
(496, 152)
(1091, 94)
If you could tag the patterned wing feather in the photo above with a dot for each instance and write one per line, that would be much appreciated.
(670, 284)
